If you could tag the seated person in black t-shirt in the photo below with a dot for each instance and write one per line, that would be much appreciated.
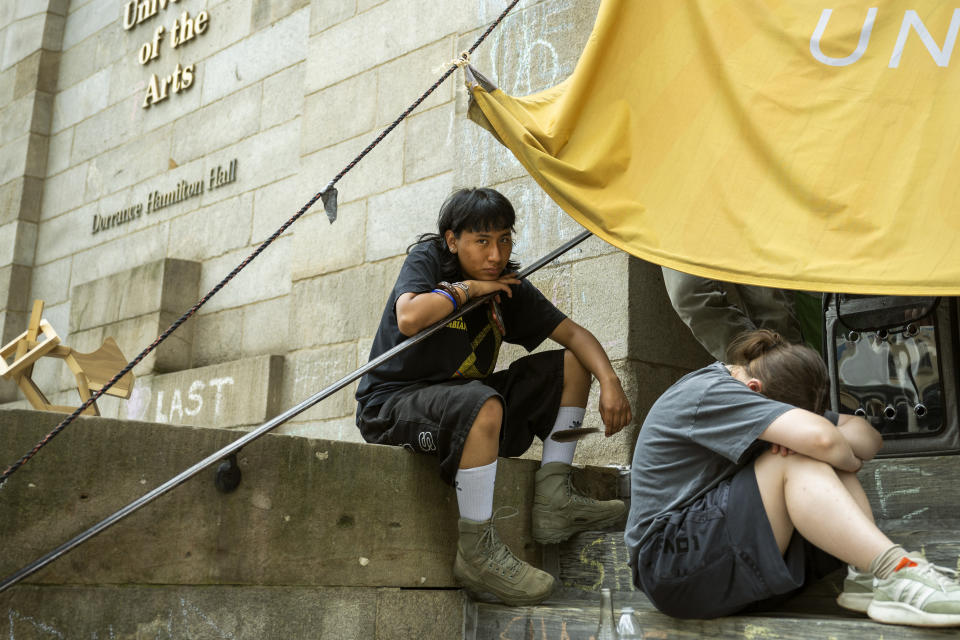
(442, 397)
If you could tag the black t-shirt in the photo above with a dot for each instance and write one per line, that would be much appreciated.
(466, 348)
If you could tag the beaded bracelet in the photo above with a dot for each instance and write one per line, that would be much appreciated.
(449, 297)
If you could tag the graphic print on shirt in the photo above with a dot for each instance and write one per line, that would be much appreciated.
(484, 349)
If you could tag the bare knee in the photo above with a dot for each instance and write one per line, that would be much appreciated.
(576, 381)
(488, 420)
(776, 465)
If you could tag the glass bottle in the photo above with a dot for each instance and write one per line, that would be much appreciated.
(629, 626)
(606, 629)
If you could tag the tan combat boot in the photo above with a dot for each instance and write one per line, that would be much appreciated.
(484, 563)
(559, 510)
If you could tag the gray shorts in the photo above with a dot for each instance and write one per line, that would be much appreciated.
(435, 418)
(719, 556)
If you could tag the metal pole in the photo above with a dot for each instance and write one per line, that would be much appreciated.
(236, 445)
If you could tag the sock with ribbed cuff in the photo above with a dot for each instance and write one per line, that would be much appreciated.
(475, 491)
(893, 559)
(553, 451)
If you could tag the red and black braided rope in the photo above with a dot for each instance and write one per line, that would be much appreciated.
(186, 316)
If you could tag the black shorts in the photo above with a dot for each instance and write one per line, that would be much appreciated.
(435, 418)
(719, 556)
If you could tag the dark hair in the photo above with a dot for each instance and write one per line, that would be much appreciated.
(790, 373)
(472, 210)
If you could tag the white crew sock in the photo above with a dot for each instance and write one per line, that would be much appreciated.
(553, 451)
(475, 491)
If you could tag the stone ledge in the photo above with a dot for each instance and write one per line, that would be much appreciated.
(306, 513)
(255, 613)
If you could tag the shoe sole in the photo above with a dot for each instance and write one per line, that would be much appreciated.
(903, 613)
(475, 586)
(858, 602)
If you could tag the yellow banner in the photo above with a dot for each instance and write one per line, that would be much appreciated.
(789, 143)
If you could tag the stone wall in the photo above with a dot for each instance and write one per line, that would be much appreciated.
(291, 90)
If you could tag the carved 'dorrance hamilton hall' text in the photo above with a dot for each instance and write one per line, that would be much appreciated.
(184, 29)
(156, 200)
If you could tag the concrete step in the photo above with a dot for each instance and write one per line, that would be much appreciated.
(576, 619)
(321, 538)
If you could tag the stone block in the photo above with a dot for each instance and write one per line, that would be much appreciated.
(239, 393)
(89, 19)
(26, 8)
(168, 285)
(268, 276)
(212, 231)
(401, 81)
(11, 197)
(274, 204)
(147, 244)
(15, 119)
(344, 317)
(264, 158)
(77, 62)
(229, 23)
(312, 370)
(216, 336)
(403, 24)
(396, 218)
(282, 96)
(135, 334)
(225, 122)
(12, 324)
(265, 326)
(13, 158)
(81, 101)
(8, 78)
(542, 226)
(343, 429)
(254, 613)
(256, 57)
(106, 129)
(23, 38)
(8, 12)
(58, 153)
(37, 72)
(53, 32)
(657, 335)
(267, 12)
(8, 241)
(536, 47)
(65, 234)
(51, 283)
(15, 290)
(481, 160)
(429, 143)
(320, 247)
(296, 519)
(599, 301)
(400, 614)
(63, 192)
(136, 162)
(42, 109)
(364, 5)
(36, 161)
(339, 112)
(324, 14)
(381, 170)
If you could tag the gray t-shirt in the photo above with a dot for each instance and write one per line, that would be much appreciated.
(698, 433)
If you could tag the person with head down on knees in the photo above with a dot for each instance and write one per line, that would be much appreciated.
(443, 396)
(744, 489)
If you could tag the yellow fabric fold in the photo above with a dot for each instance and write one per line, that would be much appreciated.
(796, 144)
